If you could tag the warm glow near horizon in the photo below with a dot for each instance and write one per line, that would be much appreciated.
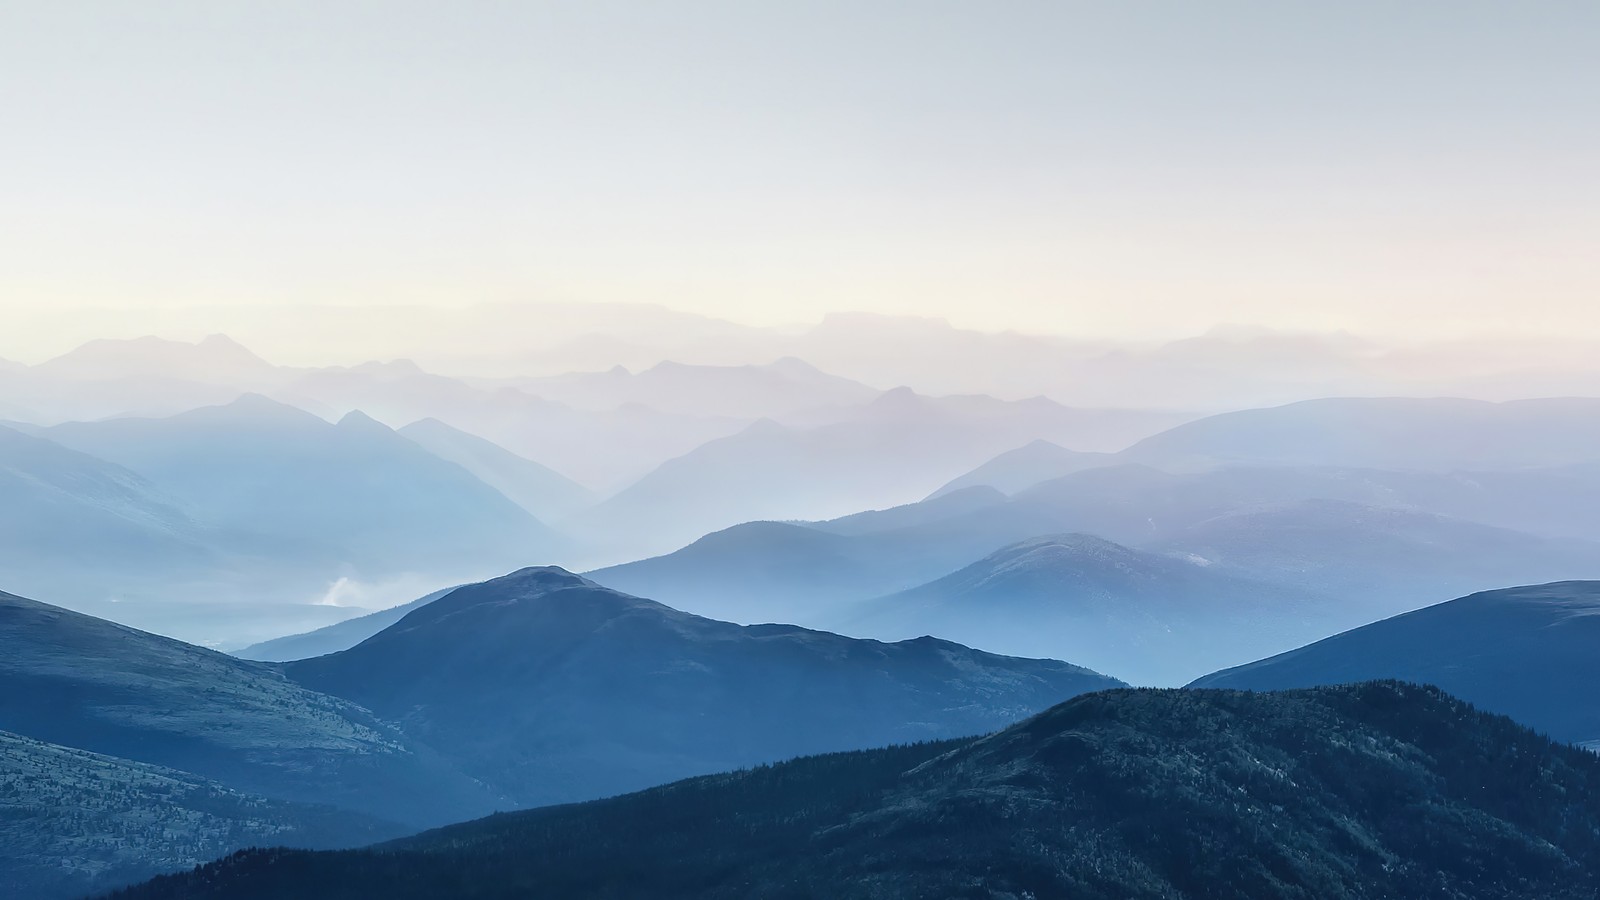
(1423, 170)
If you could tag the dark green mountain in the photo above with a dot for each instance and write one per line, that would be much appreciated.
(1532, 653)
(1380, 790)
(552, 688)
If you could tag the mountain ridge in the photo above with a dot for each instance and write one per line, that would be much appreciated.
(1372, 790)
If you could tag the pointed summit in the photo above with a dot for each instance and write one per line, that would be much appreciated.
(551, 687)
(252, 409)
(356, 420)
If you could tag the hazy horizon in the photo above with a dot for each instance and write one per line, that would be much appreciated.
(1082, 169)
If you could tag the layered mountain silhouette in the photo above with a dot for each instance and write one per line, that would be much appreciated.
(216, 359)
(138, 753)
(892, 451)
(64, 508)
(1515, 462)
(1528, 652)
(790, 571)
(1387, 433)
(94, 533)
(1361, 537)
(1026, 466)
(145, 376)
(112, 821)
(601, 449)
(1152, 618)
(545, 493)
(552, 688)
(85, 683)
(774, 390)
(1379, 559)
(352, 498)
(1373, 790)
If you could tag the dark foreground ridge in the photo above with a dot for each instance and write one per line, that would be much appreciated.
(1374, 790)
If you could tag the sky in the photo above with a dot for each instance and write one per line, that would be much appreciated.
(1425, 168)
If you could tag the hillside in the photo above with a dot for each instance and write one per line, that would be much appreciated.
(545, 493)
(73, 822)
(1527, 652)
(83, 682)
(552, 688)
(65, 510)
(1368, 791)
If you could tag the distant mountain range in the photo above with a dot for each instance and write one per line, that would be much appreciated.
(1487, 453)
(546, 494)
(1152, 618)
(1028, 465)
(1294, 495)
(1228, 367)
(1374, 790)
(1436, 435)
(892, 451)
(788, 386)
(220, 522)
(1528, 652)
(355, 495)
(1360, 538)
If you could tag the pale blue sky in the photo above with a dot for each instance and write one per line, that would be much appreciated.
(1102, 167)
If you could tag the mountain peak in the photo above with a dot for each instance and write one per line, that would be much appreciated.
(253, 408)
(765, 427)
(524, 586)
(356, 420)
(221, 343)
(900, 400)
